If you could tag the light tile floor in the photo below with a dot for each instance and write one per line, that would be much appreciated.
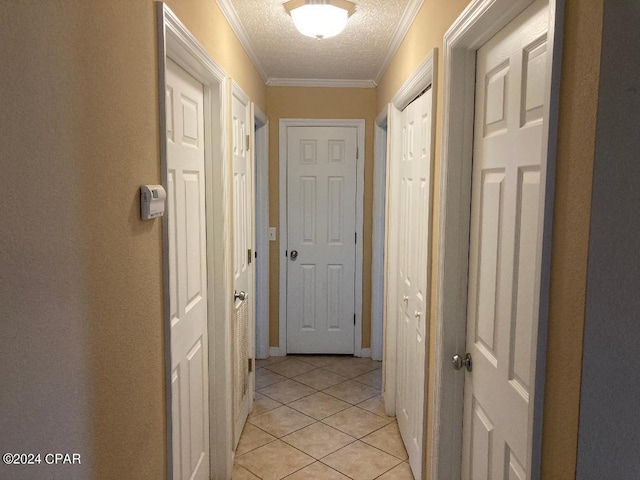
(320, 417)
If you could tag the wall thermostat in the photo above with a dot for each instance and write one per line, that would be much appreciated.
(152, 199)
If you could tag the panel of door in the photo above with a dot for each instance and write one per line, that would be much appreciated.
(505, 246)
(242, 328)
(321, 223)
(414, 177)
(187, 274)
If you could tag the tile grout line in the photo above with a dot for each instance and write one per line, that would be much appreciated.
(283, 403)
(357, 438)
(255, 426)
(316, 419)
(334, 468)
(319, 459)
(360, 440)
(292, 431)
(388, 453)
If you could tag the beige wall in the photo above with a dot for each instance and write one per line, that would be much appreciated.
(298, 102)
(83, 338)
(207, 23)
(580, 74)
(576, 151)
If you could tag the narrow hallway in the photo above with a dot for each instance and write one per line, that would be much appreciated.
(320, 417)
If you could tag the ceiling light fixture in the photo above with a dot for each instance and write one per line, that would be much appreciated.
(320, 18)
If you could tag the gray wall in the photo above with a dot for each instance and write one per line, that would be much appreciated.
(44, 385)
(609, 438)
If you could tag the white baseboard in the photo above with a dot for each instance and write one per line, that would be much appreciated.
(365, 353)
(379, 358)
(275, 352)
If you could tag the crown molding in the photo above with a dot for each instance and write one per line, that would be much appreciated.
(236, 25)
(320, 82)
(405, 23)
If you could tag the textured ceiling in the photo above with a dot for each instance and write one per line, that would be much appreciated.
(360, 52)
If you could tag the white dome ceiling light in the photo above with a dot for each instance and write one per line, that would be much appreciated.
(320, 18)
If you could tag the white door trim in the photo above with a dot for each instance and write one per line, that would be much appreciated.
(377, 261)
(285, 123)
(177, 43)
(481, 20)
(417, 82)
(260, 151)
(424, 75)
(389, 367)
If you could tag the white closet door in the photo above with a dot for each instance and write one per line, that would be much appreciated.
(414, 177)
(187, 274)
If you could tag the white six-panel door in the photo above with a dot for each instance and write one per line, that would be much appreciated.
(414, 176)
(504, 261)
(321, 219)
(187, 274)
(243, 316)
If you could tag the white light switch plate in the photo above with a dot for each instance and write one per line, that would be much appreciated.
(272, 234)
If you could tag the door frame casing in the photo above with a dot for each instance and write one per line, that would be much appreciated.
(359, 125)
(377, 244)
(176, 42)
(260, 152)
(480, 21)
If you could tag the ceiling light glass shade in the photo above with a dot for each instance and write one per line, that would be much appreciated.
(320, 18)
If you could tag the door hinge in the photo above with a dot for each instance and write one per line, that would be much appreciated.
(250, 365)
(249, 256)
(255, 254)
(357, 152)
(248, 137)
(356, 237)
(354, 318)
